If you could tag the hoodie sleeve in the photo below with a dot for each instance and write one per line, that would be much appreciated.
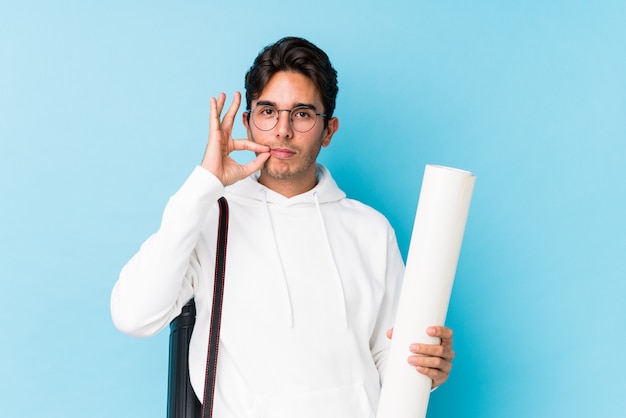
(379, 342)
(157, 281)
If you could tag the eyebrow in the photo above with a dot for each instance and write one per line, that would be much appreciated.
(269, 103)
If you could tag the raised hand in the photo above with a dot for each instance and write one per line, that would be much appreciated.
(220, 144)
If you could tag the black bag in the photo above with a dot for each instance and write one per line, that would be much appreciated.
(182, 402)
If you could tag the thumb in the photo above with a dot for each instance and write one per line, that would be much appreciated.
(390, 333)
(256, 164)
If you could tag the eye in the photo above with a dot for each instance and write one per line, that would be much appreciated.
(303, 113)
(266, 111)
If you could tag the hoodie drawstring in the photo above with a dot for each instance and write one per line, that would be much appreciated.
(282, 267)
(332, 257)
(280, 261)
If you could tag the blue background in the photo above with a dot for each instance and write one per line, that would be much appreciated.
(104, 112)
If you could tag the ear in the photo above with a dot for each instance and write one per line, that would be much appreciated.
(245, 118)
(331, 128)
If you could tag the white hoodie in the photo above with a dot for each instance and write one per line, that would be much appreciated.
(311, 287)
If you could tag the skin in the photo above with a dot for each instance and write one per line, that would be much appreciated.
(286, 159)
(217, 158)
(291, 168)
(432, 360)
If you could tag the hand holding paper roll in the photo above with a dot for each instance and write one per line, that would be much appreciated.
(433, 360)
(431, 265)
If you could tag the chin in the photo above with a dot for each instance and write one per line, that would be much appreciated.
(280, 174)
(280, 171)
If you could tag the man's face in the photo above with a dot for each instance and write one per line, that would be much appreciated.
(293, 154)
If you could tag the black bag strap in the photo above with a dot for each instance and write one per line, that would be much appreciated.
(216, 310)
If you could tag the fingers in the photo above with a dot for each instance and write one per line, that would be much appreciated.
(229, 117)
(440, 331)
(217, 106)
(434, 360)
(443, 350)
(438, 376)
(221, 99)
(220, 142)
(247, 145)
(262, 154)
(256, 164)
(429, 355)
(216, 110)
(437, 367)
(390, 333)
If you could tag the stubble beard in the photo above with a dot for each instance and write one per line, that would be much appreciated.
(282, 170)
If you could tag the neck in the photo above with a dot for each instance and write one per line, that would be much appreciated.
(288, 187)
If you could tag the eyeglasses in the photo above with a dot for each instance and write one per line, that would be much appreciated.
(301, 118)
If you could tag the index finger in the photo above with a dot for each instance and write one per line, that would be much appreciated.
(247, 145)
(439, 331)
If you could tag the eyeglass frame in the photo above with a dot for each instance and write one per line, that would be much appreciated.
(309, 107)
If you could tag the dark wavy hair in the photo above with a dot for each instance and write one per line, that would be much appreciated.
(297, 55)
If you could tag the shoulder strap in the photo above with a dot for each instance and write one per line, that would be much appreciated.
(216, 310)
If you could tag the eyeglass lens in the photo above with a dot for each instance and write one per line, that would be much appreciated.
(302, 119)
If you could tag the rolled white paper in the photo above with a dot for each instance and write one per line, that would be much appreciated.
(431, 265)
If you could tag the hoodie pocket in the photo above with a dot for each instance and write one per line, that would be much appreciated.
(348, 401)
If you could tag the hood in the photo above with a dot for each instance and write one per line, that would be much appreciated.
(326, 190)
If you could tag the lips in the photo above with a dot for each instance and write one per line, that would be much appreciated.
(282, 153)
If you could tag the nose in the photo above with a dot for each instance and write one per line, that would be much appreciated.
(283, 126)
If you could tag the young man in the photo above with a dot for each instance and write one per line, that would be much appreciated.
(312, 278)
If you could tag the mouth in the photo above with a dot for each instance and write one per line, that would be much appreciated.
(282, 153)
